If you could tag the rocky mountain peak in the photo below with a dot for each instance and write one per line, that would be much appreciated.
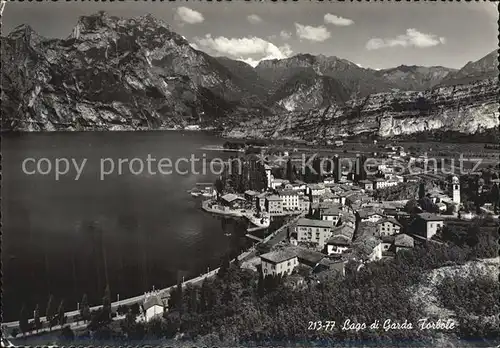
(101, 26)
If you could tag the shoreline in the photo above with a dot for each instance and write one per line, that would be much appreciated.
(270, 141)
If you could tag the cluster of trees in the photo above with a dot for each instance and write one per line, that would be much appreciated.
(479, 236)
(397, 192)
(316, 175)
(54, 315)
(474, 299)
(477, 190)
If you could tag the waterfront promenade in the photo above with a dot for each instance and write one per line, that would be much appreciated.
(72, 316)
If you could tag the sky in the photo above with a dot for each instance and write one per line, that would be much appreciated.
(372, 35)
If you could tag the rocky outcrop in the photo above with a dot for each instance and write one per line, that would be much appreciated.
(305, 91)
(112, 73)
(465, 109)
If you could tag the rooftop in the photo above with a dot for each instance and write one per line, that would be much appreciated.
(391, 220)
(279, 256)
(316, 186)
(430, 217)
(332, 211)
(288, 193)
(388, 239)
(152, 301)
(273, 198)
(365, 246)
(367, 228)
(230, 197)
(251, 193)
(314, 223)
(339, 240)
(365, 213)
(310, 256)
(282, 181)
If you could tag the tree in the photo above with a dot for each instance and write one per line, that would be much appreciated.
(290, 173)
(129, 325)
(85, 309)
(450, 209)
(60, 313)
(495, 197)
(224, 267)
(67, 335)
(50, 312)
(421, 190)
(219, 187)
(23, 320)
(36, 321)
(176, 295)
(427, 205)
(317, 214)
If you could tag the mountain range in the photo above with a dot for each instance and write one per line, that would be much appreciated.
(113, 73)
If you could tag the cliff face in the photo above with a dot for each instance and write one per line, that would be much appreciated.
(126, 74)
(466, 109)
(112, 73)
(305, 91)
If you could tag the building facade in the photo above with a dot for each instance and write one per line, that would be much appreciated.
(427, 224)
(274, 205)
(281, 262)
(388, 227)
(290, 200)
(314, 231)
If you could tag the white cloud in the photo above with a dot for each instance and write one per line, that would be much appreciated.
(310, 33)
(336, 20)
(186, 15)
(250, 50)
(412, 38)
(285, 35)
(254, 19)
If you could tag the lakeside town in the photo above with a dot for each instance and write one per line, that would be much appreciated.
(217, 174)
(333, 217)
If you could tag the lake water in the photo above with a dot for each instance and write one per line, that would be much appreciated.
(66, 237)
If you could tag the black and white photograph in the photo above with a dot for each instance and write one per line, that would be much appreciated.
(250, 174)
